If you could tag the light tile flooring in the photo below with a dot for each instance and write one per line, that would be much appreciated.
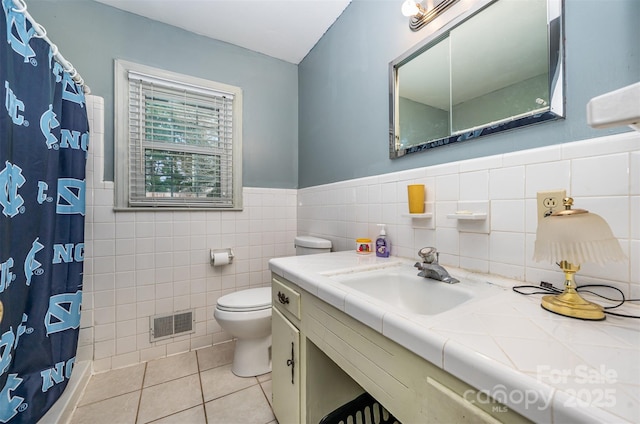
(190, 388)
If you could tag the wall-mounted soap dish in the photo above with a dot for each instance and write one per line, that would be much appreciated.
(467, 215)
(472, 216)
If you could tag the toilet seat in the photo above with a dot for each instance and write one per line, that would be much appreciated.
(246, 300)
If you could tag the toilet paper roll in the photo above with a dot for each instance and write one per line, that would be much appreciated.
(220, 258)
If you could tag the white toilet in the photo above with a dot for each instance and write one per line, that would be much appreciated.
(308, 245)
(246, 315)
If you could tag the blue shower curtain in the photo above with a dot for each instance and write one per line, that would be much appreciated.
(44, 135)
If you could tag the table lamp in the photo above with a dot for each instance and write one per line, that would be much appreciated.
(571, 237)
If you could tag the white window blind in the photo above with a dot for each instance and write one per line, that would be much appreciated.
(181, 145)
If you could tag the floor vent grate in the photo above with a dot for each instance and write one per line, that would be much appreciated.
(166, 326)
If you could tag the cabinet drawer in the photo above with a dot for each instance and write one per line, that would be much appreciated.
(285, 297)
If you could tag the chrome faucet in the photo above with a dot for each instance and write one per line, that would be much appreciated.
(430, 268)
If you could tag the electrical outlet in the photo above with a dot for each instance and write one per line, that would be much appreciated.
(550, 201)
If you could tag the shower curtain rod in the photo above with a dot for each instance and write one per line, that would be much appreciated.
(21, 7)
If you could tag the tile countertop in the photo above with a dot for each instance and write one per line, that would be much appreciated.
(547, 367)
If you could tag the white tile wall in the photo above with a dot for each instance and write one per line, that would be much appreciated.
(601, 174)
(139, 264)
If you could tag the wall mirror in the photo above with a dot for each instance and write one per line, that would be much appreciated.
(496, 67)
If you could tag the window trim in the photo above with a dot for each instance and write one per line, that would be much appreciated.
(121, 132)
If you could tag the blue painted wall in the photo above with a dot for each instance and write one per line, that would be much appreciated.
(327, 119)
(344, 88)
(91, 35)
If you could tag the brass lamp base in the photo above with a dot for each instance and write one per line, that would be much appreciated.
(570, 303)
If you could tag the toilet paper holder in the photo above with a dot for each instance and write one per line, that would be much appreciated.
(228, 251)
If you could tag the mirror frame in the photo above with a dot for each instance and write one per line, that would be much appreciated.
(555, 36)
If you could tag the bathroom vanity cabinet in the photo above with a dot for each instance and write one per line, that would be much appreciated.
(285, 354)
(323, 358)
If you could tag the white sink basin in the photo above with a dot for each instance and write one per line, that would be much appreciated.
(402, 289)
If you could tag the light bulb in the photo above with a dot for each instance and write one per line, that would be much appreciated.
(410, 8)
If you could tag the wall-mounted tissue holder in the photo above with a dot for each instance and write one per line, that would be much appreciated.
(221, 257)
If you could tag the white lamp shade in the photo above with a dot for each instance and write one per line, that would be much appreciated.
(576, 238)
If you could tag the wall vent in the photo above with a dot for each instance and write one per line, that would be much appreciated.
(171, 325)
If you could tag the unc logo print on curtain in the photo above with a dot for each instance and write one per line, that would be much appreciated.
(44, 136)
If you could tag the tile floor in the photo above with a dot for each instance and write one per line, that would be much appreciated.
(190, 388)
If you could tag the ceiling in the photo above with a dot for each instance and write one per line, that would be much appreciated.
(284, 29)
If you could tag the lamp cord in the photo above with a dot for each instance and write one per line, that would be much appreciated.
(547, 288)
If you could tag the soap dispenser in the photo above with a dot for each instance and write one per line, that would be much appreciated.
(383, 247)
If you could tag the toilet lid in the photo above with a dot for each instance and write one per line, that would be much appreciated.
(246, 300)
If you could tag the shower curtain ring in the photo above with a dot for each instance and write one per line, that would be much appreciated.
(22, 6)
(54, 50)
(41, 32)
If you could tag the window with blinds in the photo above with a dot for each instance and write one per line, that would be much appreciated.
(182, 140)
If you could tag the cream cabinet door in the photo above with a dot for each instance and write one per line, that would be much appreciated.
(285, 369)
(446, 406)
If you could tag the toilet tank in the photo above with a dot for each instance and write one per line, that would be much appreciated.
(308, 245)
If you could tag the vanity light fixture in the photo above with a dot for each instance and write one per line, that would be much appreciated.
(569, 238)
(421, 15)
